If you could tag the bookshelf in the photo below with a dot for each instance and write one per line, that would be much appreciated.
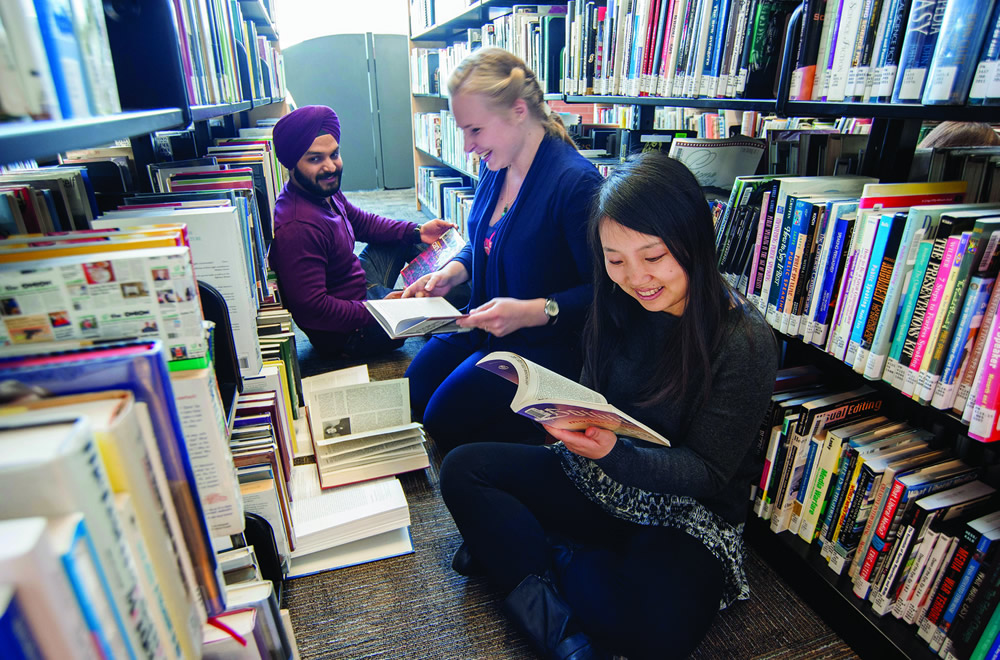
(153, 86)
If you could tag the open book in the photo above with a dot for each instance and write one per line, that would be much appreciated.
(413, 317)
(556, 401)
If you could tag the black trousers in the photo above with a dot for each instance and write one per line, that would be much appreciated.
(642, 591)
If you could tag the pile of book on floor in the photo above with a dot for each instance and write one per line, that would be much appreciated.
(911, 525)
(895, 280)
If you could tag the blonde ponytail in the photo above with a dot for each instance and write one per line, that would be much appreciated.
(504, 78)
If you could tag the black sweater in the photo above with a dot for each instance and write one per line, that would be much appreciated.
(712, 458)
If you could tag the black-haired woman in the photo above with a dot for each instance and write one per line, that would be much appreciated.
(607, 542)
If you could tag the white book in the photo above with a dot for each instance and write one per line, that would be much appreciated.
(414, 317)
(54, 468)
(128, 447)
(848, 304)
(30, 563)
(206, 435)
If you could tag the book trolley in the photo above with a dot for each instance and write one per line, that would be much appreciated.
(892, 141)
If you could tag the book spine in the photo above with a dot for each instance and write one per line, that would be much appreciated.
(966, 330)
(985, 78)
(885, 225)
(880, 292)
(954, 62)
(922, 29)
(923, 296)
(954, 246)
(968, 378)
(836, 266)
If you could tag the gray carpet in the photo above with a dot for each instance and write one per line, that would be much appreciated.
(417, 607)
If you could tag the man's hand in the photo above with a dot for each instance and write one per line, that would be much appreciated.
(393, 295)
(594, 443)
(502, 316)
(434, 229)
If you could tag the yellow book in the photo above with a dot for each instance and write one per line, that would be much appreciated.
(18, 253)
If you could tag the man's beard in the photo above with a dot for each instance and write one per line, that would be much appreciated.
(314, 188)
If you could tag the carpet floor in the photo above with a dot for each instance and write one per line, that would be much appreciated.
(416, 607)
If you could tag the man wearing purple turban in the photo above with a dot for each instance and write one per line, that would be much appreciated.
(323, 283)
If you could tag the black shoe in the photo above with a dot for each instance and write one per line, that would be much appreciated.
(465, 564)
(541, 613)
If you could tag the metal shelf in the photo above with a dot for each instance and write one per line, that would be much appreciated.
(254, 11)
(762, 105)
(460, 170)
(44, 139)
(203, 112)
(830, 595)
(892, 111)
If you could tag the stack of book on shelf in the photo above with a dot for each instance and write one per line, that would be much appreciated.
(432, 182)
(875, 52)
(212, 35)
(46, 199)
(225, 249)
(909, 524)
(895, 280)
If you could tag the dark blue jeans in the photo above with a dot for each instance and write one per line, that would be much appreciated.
(637, 590)
(460, 403)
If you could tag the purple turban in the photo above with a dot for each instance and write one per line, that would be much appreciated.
(294, 133)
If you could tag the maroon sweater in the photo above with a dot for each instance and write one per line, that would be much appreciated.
(322, 282)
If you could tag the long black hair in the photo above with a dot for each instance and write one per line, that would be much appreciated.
(658, 196)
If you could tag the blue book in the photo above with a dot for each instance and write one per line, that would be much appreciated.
(835, 266)
(140, 367)
(956, 52)
(868, 287)
(75, 548)
(55, 22)
(713, 52)
(989, 61)
(783, 260)
(16, 640)
(918, 49)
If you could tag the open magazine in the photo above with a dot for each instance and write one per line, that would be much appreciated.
(413, 317)
(556, 401)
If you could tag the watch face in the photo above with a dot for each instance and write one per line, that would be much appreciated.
(551, 307)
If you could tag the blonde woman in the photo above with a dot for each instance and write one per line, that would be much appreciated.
(526, 261)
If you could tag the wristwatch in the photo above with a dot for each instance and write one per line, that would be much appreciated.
(416, 234)
(551, 310)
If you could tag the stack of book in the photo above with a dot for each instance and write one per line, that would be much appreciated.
(361, 430)
(907, 522)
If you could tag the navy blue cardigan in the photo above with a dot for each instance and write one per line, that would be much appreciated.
(540, 246)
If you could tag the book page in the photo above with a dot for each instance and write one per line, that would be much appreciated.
(399, 314)
(535, 382)
(717, 163)
(344, 411)
(355, 375)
